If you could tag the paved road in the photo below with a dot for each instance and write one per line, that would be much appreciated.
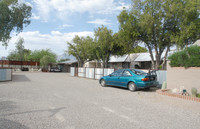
(58, 101)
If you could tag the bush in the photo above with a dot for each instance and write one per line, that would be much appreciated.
(194, 92)
(189, 57)
(198, 95)
(46, 60)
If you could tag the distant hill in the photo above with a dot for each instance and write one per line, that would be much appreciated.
(3, 58)
(65, 56)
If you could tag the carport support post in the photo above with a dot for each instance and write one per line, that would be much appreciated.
(94, 73)
(76, 71)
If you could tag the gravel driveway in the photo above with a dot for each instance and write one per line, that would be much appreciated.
(58, 101)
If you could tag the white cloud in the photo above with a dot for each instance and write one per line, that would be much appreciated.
(44, 8)
(100, 22)
(34, 40)
(64, 26)
(63, 8)
(23, 1)
(35, 17)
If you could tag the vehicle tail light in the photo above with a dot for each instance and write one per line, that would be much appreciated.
(145, 79)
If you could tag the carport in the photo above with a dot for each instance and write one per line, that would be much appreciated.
(65, 66)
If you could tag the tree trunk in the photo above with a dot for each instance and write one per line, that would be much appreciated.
(157, 67)
(106, 63)
(158, 59)
(80, 63)
(165, 58)
(152, 58)
(103, 64)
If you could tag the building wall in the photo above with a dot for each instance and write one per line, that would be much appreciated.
(92, 65)
(132, 59)
(115, 65)
(180, 77)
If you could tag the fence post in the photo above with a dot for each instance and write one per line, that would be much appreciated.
(76, 71)
(103, 71)
(85, 72)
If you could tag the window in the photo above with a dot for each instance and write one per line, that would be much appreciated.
(138, 72)
(117, 73)
(126, 73)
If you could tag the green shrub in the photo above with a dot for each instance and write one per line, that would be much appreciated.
(198, 95)
(194, 92)
(189, 57)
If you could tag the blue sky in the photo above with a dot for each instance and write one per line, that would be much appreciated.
(55, 22)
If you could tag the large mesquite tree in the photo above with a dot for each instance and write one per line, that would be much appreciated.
(81, 48)
(159, 24)
(105, 45)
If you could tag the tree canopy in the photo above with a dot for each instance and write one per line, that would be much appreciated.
(100, 48)
(81, 48)
(37, 55)
(44, 56)
(46, 60)
(13, 17)
(159, 24)
(19, 52)
(105, 45)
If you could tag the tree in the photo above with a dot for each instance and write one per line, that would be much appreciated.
(13, 16)
(159, 24)
(18, 53)
(37, 55)
(188, 57)
(12, 55)
(62, 60)
(81, 48)
(20, 49)
(138, 49)
(105, 45)
(27, 55)
(46, 60)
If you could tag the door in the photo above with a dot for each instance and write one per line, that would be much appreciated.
(113, 79)
(124, 79)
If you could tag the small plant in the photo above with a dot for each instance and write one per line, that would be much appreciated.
(194, 92)
(164, 85)
(198, 95)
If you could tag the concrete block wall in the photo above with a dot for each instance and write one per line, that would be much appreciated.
(178, 77)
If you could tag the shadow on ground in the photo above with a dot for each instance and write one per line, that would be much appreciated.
(152, 89)
(19, 78)
(9, 124)
(7, 105)
(52, 111)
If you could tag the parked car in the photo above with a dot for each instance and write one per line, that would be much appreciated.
(132, 79)
(24, 69)
(55, 69)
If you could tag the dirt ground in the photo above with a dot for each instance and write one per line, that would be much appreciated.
(59, 101)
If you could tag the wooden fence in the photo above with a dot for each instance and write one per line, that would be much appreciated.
(18, 64)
